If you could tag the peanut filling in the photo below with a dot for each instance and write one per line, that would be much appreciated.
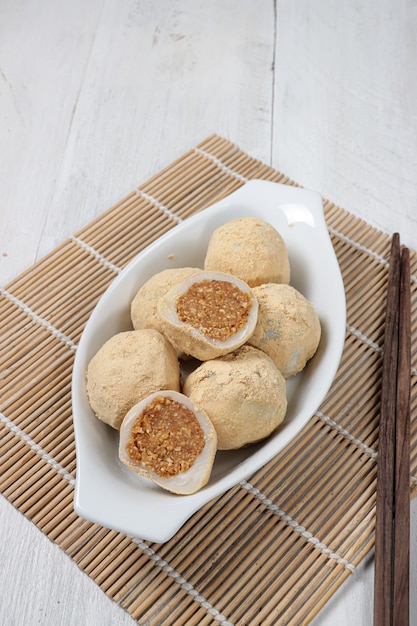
(217, 308)
(166, 437)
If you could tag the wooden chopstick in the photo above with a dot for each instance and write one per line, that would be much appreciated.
(401, 581)
(386, 448)
(392, 537)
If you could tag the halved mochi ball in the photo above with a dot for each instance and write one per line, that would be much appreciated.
(251, 249)
(128, 367)
(288, 328)
(243, 393)
(170, 441)
(143, 309)
(208, 315)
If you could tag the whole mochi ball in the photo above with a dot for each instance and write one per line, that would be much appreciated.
(288, 328)
(143, 309)
(127, 368)
(251, 249)
(243, 394)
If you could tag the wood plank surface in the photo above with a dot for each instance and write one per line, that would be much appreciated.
(97, 97)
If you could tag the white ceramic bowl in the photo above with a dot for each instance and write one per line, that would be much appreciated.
(106, 491)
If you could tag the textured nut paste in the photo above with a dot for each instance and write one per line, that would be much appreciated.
(217, 308)
(166, 437)
(251, 249)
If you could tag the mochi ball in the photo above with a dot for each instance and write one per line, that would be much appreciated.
(169, 441)
(208, 315)
(251, 249)
(288, 328)
(128, 367)
(243, 393)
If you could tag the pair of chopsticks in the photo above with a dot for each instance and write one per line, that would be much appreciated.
(392, 536)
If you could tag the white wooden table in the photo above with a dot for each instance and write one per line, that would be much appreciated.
(97, 96)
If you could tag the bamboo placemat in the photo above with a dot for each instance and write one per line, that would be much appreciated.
(276, 547)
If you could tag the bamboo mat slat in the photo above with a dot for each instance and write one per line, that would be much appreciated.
(275, 548)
